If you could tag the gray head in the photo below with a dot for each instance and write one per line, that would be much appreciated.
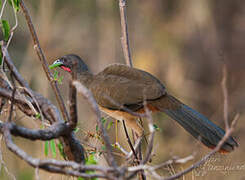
(71, 62)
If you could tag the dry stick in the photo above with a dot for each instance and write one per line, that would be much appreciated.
(12, 99)
(43, 60)
(225, 96)
(124, 29)
(12, 68)
(88, 95)
(129, 141)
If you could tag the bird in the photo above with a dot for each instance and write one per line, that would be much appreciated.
(123, 92)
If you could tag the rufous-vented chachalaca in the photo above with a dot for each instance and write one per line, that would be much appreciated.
(119, 87)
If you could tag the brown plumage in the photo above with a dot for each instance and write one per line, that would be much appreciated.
(119, 89)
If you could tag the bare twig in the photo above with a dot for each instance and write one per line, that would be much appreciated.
(129, 141)
(124, 29)
(225, 96)
(12, 99)
(2, 9)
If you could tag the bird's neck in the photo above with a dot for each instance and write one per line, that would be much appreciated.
(85, 78)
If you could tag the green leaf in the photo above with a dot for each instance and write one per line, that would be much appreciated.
(52, 66)
(60, 79)
(56, 75)
(91, 160)
(103, 120)
(156, 127)
(53, 148)
(109, 125)
(46, 148)
(103, 148)
(61, 150)
(16, 4)
(76, 129)
(38, 116)
(97, 128)
(5, 29)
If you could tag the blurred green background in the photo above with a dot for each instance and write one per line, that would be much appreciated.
(182, 42)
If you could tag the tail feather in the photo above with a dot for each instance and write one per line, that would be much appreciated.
(196, 124)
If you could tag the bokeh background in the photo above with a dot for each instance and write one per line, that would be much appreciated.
(182, 42)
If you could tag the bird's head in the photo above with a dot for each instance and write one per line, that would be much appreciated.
(70, 63)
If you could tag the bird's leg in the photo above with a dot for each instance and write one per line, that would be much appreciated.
(116, 132)
(133, 123)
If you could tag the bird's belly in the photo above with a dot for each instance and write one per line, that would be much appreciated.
(117, 114)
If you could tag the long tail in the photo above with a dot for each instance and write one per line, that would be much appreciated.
(195, 123)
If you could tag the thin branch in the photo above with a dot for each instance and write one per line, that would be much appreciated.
(12, 99)
(3, 7)
(129, 141)
(12, 68)
(43, 60)
(124, 31)
(225, 96)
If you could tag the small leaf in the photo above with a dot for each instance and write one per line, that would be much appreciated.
(109, 125)
(103, 148)
(91, 160)
(56, 75)
(53, 148)
(60, 79)
(46, 148)
(103, 120)
(5, 29)
(156, 127)
(97, 128)
(61, 150)
(76, 129)
(16, 4)
(52, 66)
(38, 116)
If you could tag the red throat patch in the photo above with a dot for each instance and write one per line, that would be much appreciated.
(66, 68)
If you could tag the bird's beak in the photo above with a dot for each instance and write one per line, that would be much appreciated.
(56, 63)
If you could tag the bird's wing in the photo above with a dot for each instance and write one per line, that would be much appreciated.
(119, 85)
